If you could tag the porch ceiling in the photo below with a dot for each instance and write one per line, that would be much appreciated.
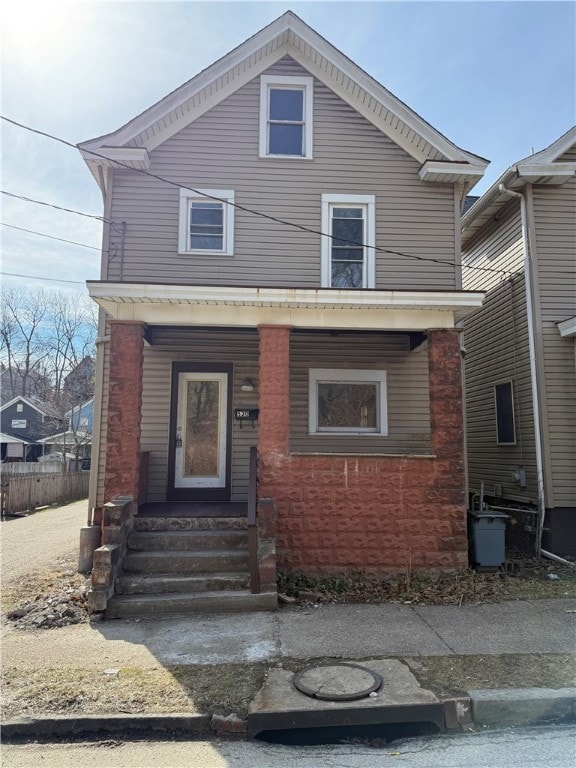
(161, 304)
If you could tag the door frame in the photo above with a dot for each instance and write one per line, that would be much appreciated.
(198, 494)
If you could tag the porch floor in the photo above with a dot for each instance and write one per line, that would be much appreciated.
(193, 509)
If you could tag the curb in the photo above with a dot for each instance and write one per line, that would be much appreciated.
(503, 707)
(74, 724)
(522, 706)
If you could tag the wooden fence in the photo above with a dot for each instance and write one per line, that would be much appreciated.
(31, 467)
(26, 492)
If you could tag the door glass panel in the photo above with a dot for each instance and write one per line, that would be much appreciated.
(202, 429)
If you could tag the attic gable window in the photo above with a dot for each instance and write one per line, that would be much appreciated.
(206, 224)
(286, 116)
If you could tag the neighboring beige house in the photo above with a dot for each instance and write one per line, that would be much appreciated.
(283, 272)
(520, 361)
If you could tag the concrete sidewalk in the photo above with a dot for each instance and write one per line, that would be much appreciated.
(350, 632)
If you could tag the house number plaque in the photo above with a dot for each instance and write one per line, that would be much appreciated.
(246, 414)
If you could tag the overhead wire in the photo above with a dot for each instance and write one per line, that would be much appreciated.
(52, 205)
(244, 208)
(51, 237)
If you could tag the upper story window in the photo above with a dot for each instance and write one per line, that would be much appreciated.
(504, 402)
(206, 225)
(19, 423)
(286, 116)
(348, 249)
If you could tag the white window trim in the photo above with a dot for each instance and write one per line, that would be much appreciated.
(368, 202)
(186, 197)
(319, 375)
(512, 395)
(307, 84)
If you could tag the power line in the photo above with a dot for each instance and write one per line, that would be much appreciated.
(52, 205)
(37, 277)
(251, 211)
(43, 234)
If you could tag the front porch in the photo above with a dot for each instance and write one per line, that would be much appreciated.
(386, 496)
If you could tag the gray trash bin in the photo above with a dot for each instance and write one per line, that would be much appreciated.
(487, 532)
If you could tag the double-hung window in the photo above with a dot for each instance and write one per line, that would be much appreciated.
(348, 224)
(206, 222)
(286, 116)
(347, 401)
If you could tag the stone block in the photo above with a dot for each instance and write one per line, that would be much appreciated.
(457, 713)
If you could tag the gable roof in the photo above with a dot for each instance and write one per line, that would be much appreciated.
(540, 168)
(46, 409)
(441, 160)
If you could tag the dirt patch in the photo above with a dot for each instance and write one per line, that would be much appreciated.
(526, 579)
(214, 689)
(449, 675)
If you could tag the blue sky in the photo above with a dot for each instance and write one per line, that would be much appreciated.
(497, 78)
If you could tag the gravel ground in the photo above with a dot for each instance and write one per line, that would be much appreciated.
(48, 534)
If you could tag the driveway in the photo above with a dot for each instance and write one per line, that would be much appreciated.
(34, 542)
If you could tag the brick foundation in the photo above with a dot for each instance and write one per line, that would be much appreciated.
(380, 514)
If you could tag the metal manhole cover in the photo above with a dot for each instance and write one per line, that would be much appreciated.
(337, 682)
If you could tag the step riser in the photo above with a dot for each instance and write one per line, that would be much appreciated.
(155, 585)
(185, 563)
(191, 541)
(188, 604)
(189, 523)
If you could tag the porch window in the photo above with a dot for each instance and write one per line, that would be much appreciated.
(348, 243)
(286, 116)
(206, 222)
(504, 403)
(347, 401)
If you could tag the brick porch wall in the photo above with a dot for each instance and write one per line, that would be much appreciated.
(375, 513)
(124, 410)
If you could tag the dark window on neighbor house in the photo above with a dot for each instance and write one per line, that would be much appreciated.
(504, 401)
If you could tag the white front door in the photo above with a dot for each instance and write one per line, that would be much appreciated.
(201, 430)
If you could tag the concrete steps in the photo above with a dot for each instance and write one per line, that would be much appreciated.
(180, 565)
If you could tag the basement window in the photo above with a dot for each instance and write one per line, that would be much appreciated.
(504, 404)
(347, 402)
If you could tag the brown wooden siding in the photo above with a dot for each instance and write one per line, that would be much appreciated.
(555, 227)
(407, 385)
(220, 150)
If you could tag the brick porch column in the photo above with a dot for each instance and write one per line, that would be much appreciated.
(274, 388)
(124, 409)
(445, 388)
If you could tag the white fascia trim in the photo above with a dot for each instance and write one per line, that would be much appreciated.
(555, 150)
(369, 203)
(307, 84)
(226, 196)
(4, 438)
(433, 168)
(376, 376)
(277, 32)
(558, 172)
(567, 327)
(135, 157)
(22, 399)
(284, 297)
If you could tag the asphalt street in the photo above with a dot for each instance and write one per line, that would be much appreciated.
(542, 747)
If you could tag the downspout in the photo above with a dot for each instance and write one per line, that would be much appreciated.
(533, 372)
